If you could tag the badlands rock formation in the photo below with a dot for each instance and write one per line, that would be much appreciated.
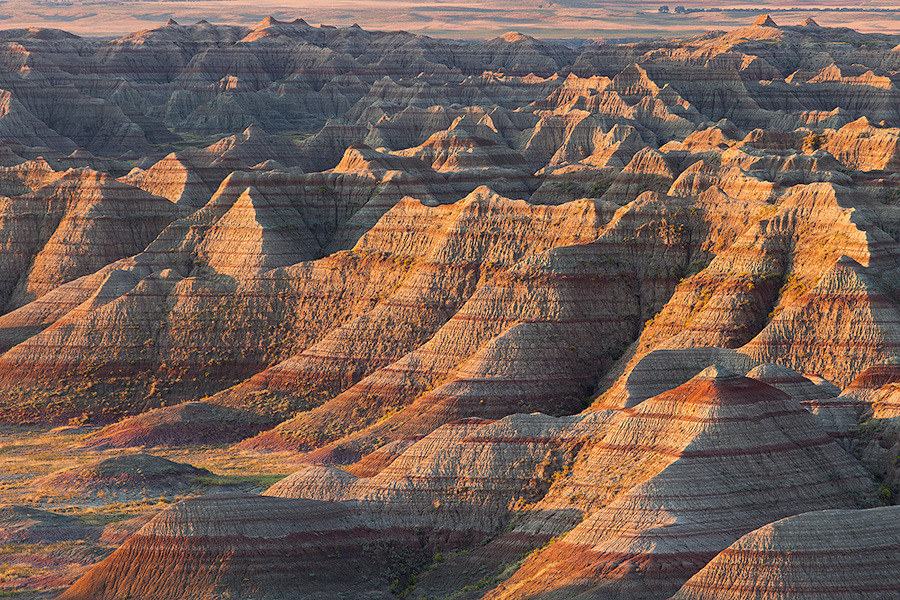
(252, 547)
(536, 320)
(125, 474)
(824, 554)
(188, 423)
(676, 489)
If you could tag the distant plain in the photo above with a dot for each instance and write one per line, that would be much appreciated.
(451, 18)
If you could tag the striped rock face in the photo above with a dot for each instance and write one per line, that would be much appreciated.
(466, 475)
(251, 547)
(529, 319)
(331, 255)
(679, 477)
(644, 498)
(823, 554)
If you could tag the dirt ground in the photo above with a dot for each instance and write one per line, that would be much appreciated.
(35, 570)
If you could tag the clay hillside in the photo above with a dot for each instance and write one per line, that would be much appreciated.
(294, 311)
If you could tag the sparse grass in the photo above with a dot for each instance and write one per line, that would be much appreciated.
(195, 141)
(297, 136)
(13, 571)
(29, 453)
(599, 187)
(505, 571)
(7, 549)
(264, 481)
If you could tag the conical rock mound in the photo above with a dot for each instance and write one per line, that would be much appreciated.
(847, 312)
(764, 21)
(173, 178)
(248, 547)
(830, 554)
(709, 461)
(255, 236)
(130, 473)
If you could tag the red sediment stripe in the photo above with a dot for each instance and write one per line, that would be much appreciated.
(713, 420)
(662, 561)
(876, 376)
(509, 381)
(832, 404)
(467, 421)
(718, 452)
(820, 344)
(741, 554)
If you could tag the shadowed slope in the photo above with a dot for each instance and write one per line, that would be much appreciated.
(822, 555)
(720, 455)
(250, 547)
(188, 423)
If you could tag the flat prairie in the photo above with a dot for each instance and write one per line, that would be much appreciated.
(464, 19)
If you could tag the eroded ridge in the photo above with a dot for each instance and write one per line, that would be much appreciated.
(297, 311)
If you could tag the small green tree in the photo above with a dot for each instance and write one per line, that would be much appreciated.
(813, 141)
(664, 8)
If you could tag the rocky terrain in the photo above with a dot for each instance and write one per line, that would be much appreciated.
(316, 312)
